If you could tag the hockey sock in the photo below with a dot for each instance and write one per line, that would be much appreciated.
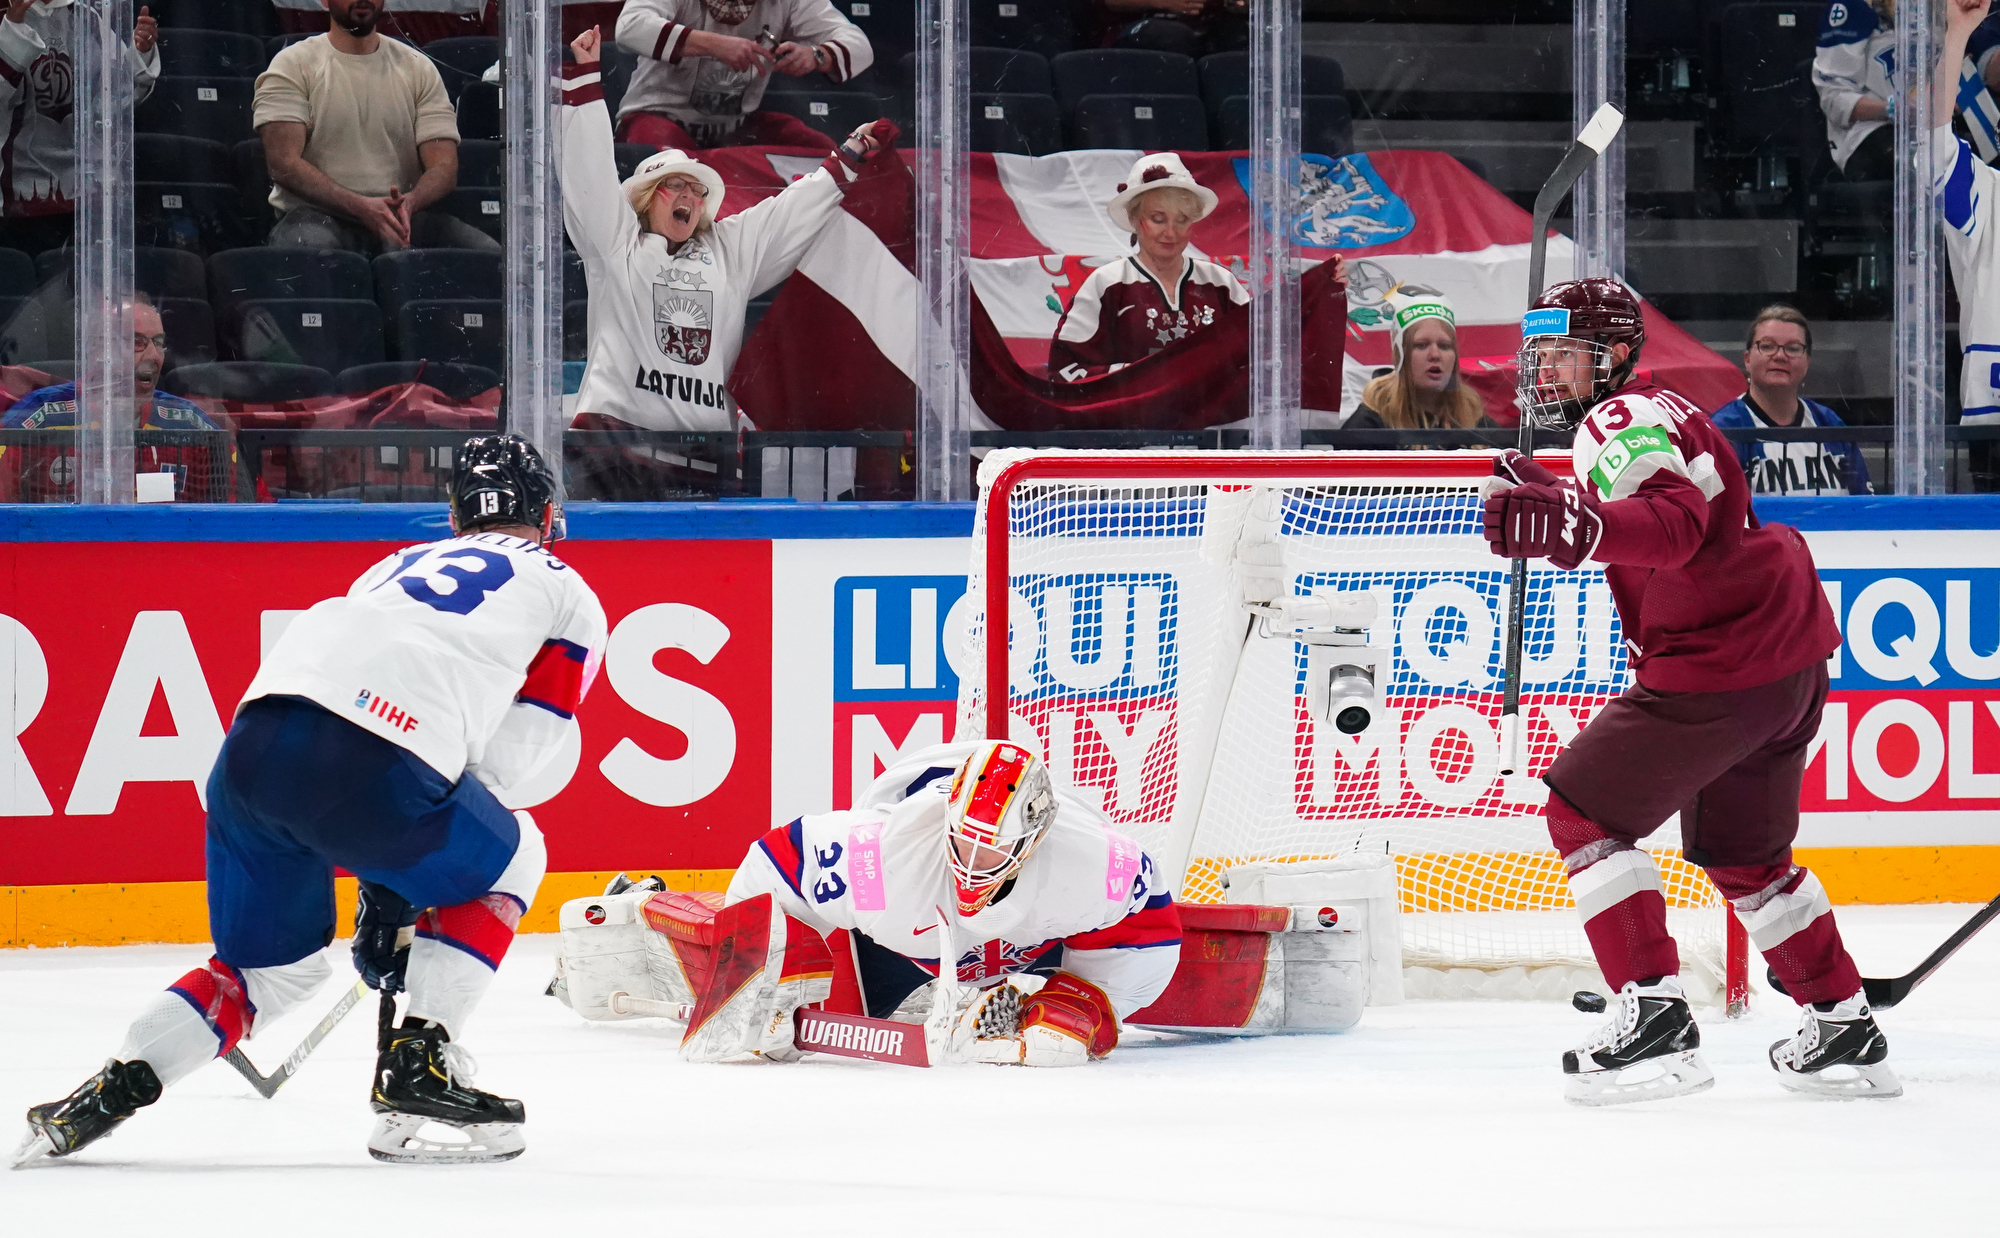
(1617, 892)
(1785, 910)
(198, 1019)
(456, 952)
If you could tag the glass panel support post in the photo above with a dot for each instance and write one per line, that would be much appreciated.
(1918, 346)
(531, 63)
(1598, 75)
(944, 320)
(107, 416)
(1274, 206)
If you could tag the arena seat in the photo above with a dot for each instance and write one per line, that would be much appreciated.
(217, 108)
(249, 381)
(1664, 28)
(17, 273)
(891, 25)
(161, 272)
(479, 111)
(211, 53)
(460, 382)
(433, 274)
(868, 82)
(1326, 126)
(479, 163)
(478, 205)
(331, 333)
(202, 218)
(1760, 67)
(190, 329)
(1138, 122)
(576, 330)
(629, 155)
(241, 16)
(177, 157)
(273, 273)
(1121, 71)
(462, 59)
(1226, 75)
(835, 115)
(615, 65)
(1043, 26)
(1015, 124)
(468, 331)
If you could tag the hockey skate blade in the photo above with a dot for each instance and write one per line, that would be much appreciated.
(1852, 1082)
(36, 1147)
(407, 1139)
(1675, 1074)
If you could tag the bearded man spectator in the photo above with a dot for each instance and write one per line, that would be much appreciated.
(37, 94)
(704, 64)
(361, 139)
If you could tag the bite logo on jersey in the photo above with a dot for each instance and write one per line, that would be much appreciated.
(1624, 447)
(1348, 205)
(374, 703)
(684, 320)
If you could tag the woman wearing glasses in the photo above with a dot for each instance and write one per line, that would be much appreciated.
(1776, 356)
(669, 280)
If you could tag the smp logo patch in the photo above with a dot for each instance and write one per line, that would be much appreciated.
(1347, 203)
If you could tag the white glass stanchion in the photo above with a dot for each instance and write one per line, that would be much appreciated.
(532, 217)
(1919, 252)
(103, 253)
(1275, 100)
(944, 325)
(1598, 72)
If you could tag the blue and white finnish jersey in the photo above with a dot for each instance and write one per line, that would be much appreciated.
(1855, 59)
(1969, 195)
(471, 653)
(880, 869)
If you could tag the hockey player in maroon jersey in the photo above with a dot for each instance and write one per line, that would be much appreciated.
(1728, 633)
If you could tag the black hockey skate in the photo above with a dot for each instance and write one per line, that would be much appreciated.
(1838, 1052)
(91, 1112)
(421, 1085)
(1649, 1050)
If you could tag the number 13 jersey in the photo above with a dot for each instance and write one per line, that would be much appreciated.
(471, 653)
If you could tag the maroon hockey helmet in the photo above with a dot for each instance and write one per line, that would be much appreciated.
(1566, 361)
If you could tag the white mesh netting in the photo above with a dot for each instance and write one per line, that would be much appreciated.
(1136, 669)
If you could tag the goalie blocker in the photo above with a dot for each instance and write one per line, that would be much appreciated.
(739, 975)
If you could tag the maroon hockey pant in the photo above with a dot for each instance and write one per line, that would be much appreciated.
(757, 129)
(1731, 764)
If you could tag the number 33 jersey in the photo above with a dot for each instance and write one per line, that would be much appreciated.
(1087, 899)
(471, 653)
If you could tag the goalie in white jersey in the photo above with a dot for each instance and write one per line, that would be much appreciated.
(384, 734)
(970, 840)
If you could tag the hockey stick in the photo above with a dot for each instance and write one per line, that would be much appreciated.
(853, 1035)
(267, 1085)
(1589, 144)
(1884, 993)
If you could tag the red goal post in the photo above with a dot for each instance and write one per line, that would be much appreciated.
(1135, 668)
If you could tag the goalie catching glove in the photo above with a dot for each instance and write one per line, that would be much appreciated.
(1533, 514)
(1066, 1021)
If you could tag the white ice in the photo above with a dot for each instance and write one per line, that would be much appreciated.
(1434, 1118)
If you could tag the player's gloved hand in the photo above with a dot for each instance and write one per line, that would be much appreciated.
(1063, 1021)
(384, 926)
(1542, 521)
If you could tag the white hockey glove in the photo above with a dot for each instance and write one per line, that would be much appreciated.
(1027, 1021)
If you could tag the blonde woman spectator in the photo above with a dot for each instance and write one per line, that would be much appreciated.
(704, 64)
(668, 280)
(1424, 390)
(1135, 306)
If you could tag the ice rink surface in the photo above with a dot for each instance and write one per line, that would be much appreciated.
(1433, 1118)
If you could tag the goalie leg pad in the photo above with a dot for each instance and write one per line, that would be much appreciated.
(1065, 1022)
(757, 967)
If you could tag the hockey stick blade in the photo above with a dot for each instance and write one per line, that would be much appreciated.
(853, 1035)
(1885, 992)
(267, 1085)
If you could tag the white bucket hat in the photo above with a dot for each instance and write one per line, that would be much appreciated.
(1407, 309)
(669, 162)
(1162, 171)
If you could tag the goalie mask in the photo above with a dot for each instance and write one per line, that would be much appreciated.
(1568, 361)
(1001, 806)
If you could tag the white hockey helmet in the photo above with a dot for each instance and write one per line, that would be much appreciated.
(662, 164)
(1001, 806)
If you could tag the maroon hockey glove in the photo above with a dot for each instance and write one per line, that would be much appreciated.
(1523, 471)
(1538, 521)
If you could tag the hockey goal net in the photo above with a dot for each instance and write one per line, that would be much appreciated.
(1134, 666)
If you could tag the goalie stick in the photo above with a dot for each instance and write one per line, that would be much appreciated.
(1884, 993)
(1589, 144)
(267, 1085)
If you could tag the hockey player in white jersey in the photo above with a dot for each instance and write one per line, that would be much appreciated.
(963, 853)
(384, 734)
(1969, 198)
(669, 281)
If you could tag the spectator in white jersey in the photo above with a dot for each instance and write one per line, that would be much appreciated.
(1969, 199)
(1777, 354)
(704, 65)
(37, 96)
(361, 140)
(1854, 71)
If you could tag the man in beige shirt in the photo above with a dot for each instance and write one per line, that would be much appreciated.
(361, 140)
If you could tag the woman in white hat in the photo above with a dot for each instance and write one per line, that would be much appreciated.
(668, 280)
(1137, 305)
(1423, 390)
